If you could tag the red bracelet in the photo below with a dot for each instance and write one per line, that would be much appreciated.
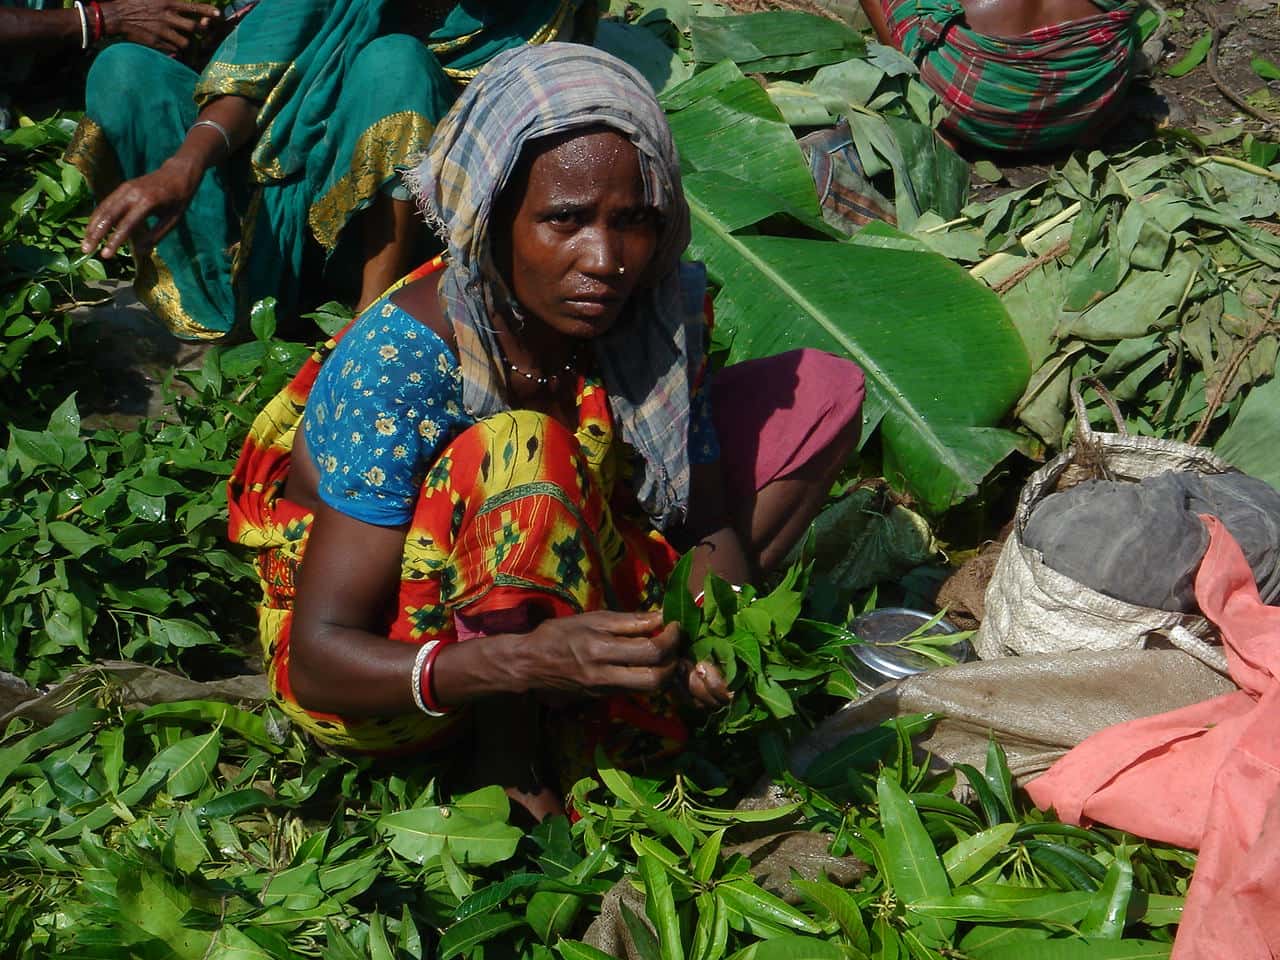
(428, 692)
(99, 20)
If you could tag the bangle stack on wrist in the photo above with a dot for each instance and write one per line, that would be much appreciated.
(424, 697)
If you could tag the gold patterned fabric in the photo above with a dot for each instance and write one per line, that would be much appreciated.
(90, 152)
(378, 151)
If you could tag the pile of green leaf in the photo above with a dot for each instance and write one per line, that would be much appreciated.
(1158, 273)
(195, 830)
(113, 544)
(43, 205)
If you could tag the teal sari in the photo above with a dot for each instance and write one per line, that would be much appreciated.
(347, 95)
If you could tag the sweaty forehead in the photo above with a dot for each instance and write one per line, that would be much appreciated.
(584, 163)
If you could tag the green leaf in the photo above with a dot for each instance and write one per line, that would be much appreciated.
(729, 132)
(1072, 868)
(487, 803)
(660, 908)
(551, 915)
(988, 171)
(748, 899)
(1106, 917)
(1193, 57)
(1265, 68)
(148, 900)
(937, 418)
(1246, 442)
(179, 633)
(262, 319)
(791, 947)
(657, 62)
(1082, 950)
(710, 912)
(462, 936)
(577, 950)
(71, 538)
(973, 853)
(145, 507)
(677, 602)
(379, 946)
(234, 803)
(188, 763)
(774, 41)
(1003, 903)
(63, 730)
(991, 809)
(642, 935)
(708, 856)
(491, 896)
(842, 907)
(998, 777)
(913, 865)
(36, 448)
(64, 422)
(421, 834)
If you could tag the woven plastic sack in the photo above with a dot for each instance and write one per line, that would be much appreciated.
(1032, 608)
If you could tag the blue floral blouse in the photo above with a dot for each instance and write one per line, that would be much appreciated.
(387, 400)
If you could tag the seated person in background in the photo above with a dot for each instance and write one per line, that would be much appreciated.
(31, 29)
(1018, 74)
(283, 152)
(164, 25)
(468, 503)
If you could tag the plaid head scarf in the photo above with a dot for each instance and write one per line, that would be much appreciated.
(650, 356)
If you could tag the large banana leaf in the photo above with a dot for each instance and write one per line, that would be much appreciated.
(778, 41)
(943, 362)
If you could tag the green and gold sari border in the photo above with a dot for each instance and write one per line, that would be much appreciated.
(91, 153)
(384, 145)
(272, 169)
(157, 291)
(547, 32)
(253, 81)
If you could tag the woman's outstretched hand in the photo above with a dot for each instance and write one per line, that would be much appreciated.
(165, 25)
(163, 194)
(604, 652)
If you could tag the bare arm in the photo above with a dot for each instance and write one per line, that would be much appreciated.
(340, 662)
(166, 192)
(709, 530)
(166, 25)
(38, 28)
(875, 13)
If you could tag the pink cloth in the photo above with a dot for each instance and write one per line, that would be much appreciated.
(1206, 776)
(773, 415)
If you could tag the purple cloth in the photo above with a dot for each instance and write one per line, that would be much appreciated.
(775, 414)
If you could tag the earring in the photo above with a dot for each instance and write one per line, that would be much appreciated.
(621, 270)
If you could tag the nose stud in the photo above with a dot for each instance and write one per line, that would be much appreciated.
(621, 270)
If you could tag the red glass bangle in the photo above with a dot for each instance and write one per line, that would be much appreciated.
(99, 20)
(428, 692)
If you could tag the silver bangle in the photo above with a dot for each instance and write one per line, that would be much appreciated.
(226, 136)
(415, 678)
(84, 26)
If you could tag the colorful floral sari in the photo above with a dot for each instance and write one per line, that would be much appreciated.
(519, 520)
